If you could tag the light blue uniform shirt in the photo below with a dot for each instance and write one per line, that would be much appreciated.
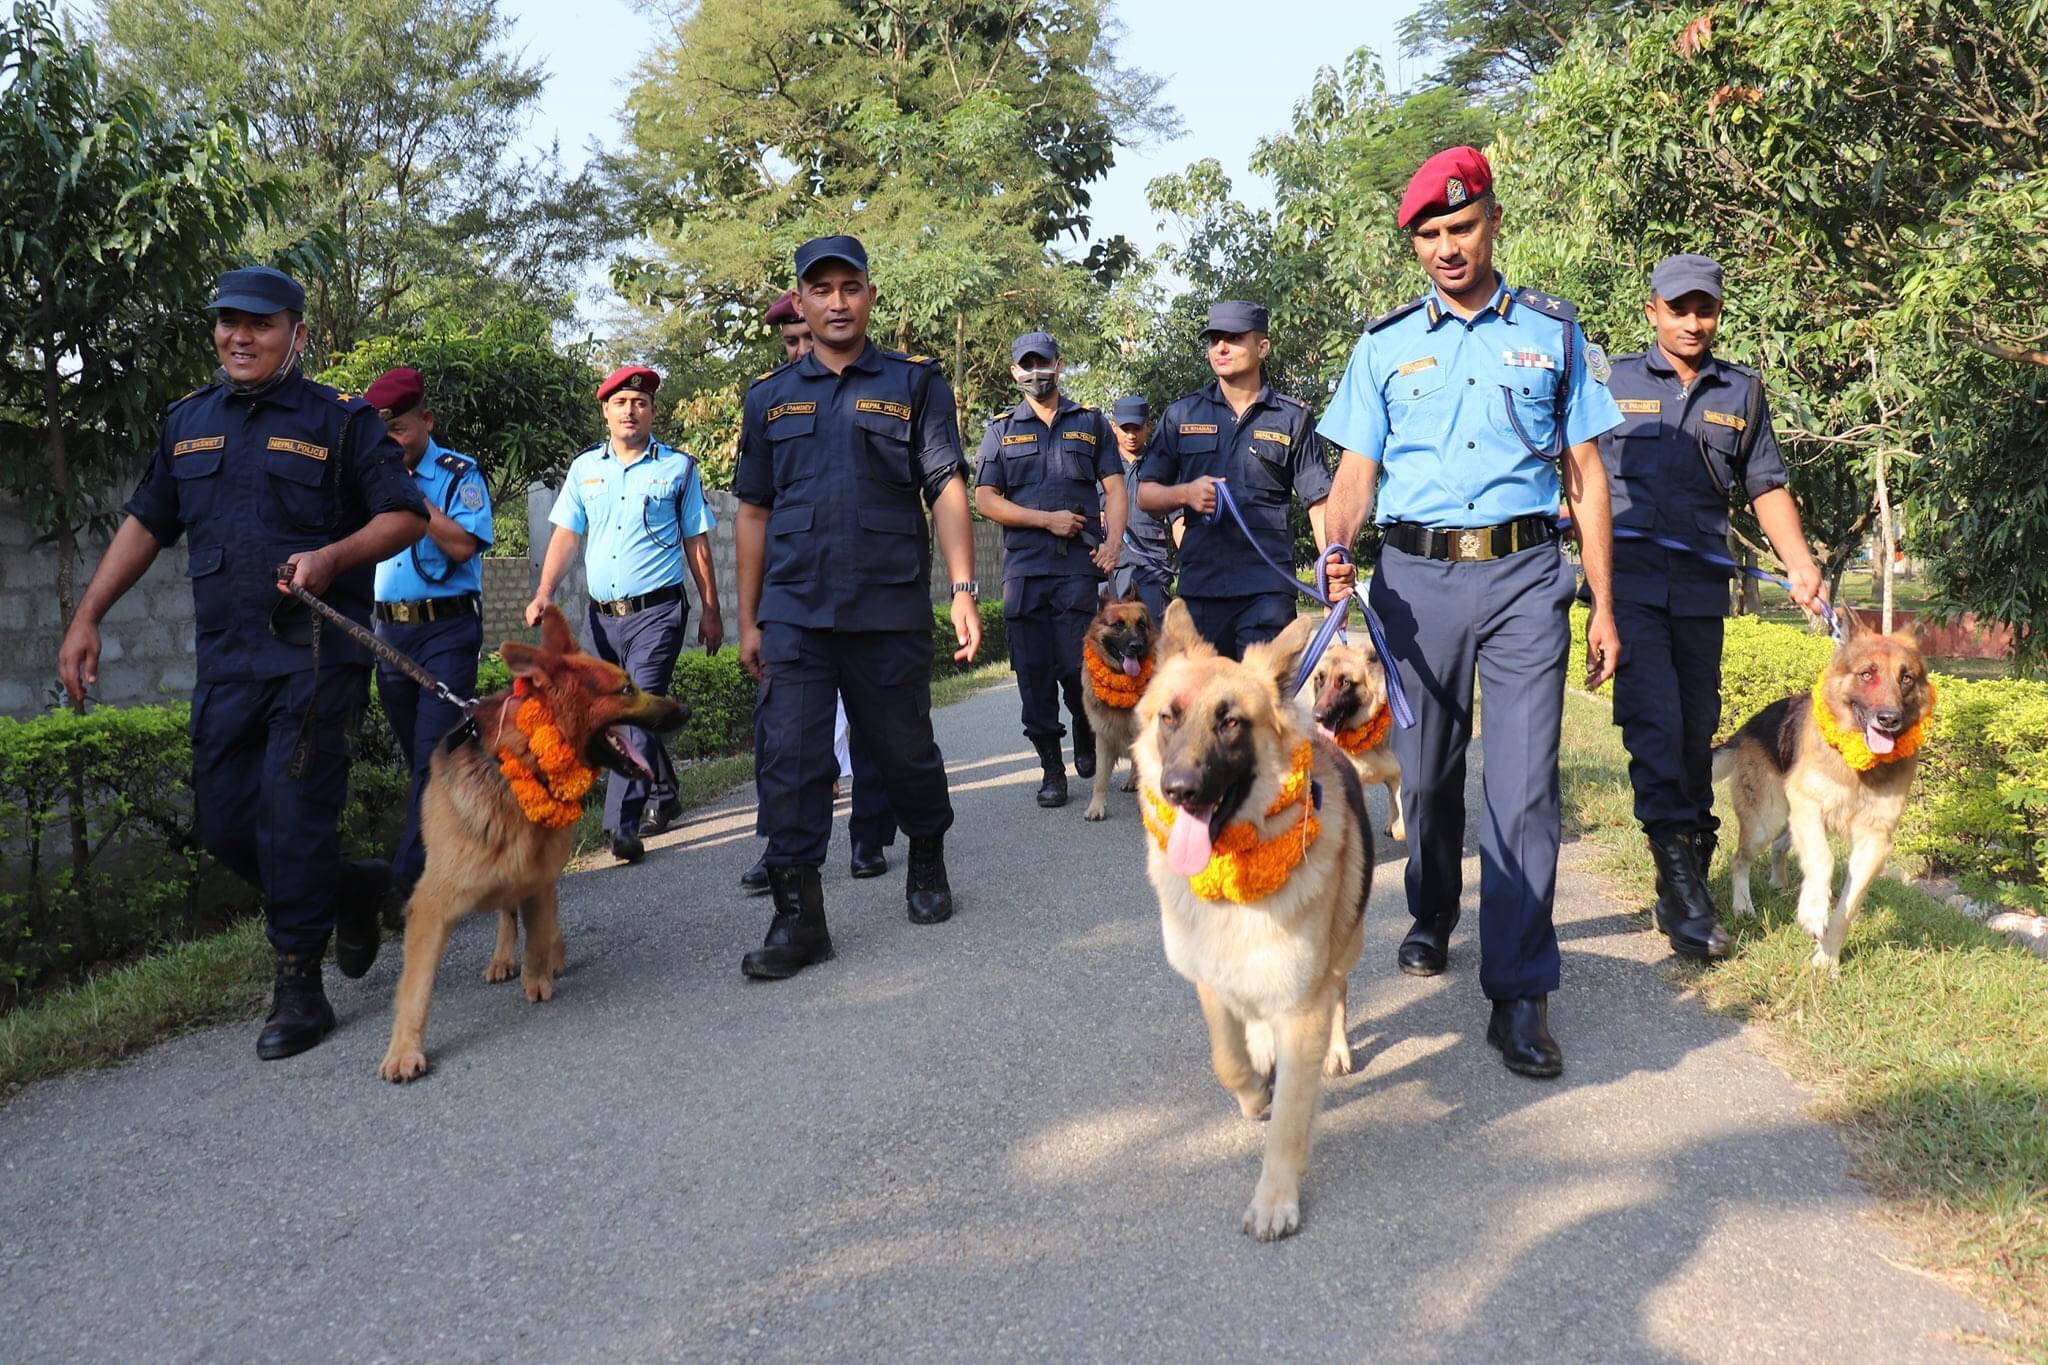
(633, 518)
(1427, 394)
(453, 483)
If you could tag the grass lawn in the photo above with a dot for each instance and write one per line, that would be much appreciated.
(1930, 1047)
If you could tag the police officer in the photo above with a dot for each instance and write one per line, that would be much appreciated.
(834, 567)
(263, 467)
(429, 597)
(1145, 558)
(642, 505)
(1695, 432)
(1236, 428)
(1472, 399)
(1048, 475)
(790, 326)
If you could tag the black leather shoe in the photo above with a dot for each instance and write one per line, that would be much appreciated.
(1427, 949)
(868, 860)
(1084, 748)
(665, 815)
(1521, 1030)
(358, 931)
(755, 879)
(1685, 910)
(299, 1013)
(926, 891)
(1052, 792)
(797, 937)
(627, 848)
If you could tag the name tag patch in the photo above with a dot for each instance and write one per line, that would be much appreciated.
(1020, 440)
(1282, 437)
(1529, 360)
(1087, 436)
(1198, 428)
(1640, 404)
(1427, 362)
(198, 443)
(1725, 419)
(305, 448)
(791, 410)
(900, 411)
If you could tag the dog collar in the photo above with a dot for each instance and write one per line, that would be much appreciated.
(1850, 745)
(1367, 733)
(1112, 686)
(1242, 866)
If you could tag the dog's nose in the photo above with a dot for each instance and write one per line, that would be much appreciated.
(1889, 717)
(1180, 785)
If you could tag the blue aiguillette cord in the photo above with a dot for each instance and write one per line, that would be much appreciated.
(1333, 625)
(1827, 612)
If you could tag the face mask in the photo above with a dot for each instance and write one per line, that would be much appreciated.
(1036, 383)
(291, 361)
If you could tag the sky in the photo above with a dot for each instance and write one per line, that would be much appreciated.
(1233, 81)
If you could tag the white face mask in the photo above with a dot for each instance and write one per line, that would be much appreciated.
(1036, 383)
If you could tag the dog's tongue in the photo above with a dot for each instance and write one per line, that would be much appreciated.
(1187, 847)
(1131, 667)
(1877, 740)
(633, 750)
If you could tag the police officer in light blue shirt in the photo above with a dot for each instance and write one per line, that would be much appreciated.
(640, 506)
(429, 598)
(1471, 401)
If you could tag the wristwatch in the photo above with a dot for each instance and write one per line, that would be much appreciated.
(971, 587)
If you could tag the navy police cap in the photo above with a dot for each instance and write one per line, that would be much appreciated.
(1034, 343)
(258, 289)
(1677, 276)
(820, 249)
(1130, 411)
(1236, 315)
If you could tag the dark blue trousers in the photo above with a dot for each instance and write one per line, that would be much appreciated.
(1510, 620)
(884, 677)
(870, 821)
(278, 832)
(1667, 701)
(1232, 623)
(1047, 617)
(419, 719)
(647, 645)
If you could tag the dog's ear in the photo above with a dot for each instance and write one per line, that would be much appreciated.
(1131, 592)
(1851, 624)
(555, 635)
(1179, 635)
(1279, 657)
(525, 660)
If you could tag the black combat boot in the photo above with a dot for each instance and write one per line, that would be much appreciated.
(358, 928)
(926, 890)
(1426, 951)
(755, 879)
(1053, 791)
(797, 937)
(299, 1013)
(1084, 746)
(868, 860)
(1521, 1030)
(1685, 912)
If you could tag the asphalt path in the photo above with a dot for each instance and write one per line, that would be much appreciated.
(989, 1139)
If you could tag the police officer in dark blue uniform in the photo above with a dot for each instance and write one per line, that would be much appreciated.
(429, 598)
(263, 468)
(1150, 544)
(1048, 474)
(839, 453)
(1264, 443)
(1695, 432)
(1476, 400)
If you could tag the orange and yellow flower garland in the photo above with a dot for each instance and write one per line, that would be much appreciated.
(1242, 866)
(1851, 746)
(554, 797)
(1113, 687)
(1367, 733)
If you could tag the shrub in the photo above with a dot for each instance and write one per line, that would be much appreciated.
(995, 640)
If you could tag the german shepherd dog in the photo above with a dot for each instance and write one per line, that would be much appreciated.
(1262, 871)
(1787, 774)
(1123, 637)
(1350, 690)
(482, 851)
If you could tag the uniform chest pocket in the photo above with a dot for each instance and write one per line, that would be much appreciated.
(788, 451)
(300, 500)
(1073, 459)
(1415, 387)
(1197, 454)
(892, 545)
(1023, 466)
(792, 549)
(1718, 445)
(884, 428)
(197, 474)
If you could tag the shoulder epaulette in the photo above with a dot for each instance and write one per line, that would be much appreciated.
(1547, 304)
(453, 463)
(770, 374)
(1290, 400)
(203, 388)
(917, 359)
(1395, 315)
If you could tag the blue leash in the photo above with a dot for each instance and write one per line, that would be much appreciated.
(1827, 610)
(1333, 624)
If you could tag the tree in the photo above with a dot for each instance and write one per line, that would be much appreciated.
(393, 122)
(115, 218)
(1492, 47)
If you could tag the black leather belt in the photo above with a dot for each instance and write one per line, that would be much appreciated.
(430, 609)
(1474, 542)
(626, 606)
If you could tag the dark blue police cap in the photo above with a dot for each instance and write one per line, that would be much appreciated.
(847, 249)
(1677, 276)
(1236, 315)
(1034, 343)
(1130, 411)
(258, 289)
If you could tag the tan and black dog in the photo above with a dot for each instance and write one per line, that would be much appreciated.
(1116, 666)
(1261, 856)
(1350, 691)
(483, 850)
(1839, 760)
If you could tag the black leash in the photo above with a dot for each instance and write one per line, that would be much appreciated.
(368, 640)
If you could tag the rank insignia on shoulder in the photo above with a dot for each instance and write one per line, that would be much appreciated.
(1395, 315)
(1724, 419)
(1547, 304)
(920, 360)
(454, 464)
(1597, 363)
(472, 496)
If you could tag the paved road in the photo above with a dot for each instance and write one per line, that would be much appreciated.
(990, 1139)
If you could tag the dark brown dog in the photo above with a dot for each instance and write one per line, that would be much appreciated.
(1350, 691)
(1123, 638)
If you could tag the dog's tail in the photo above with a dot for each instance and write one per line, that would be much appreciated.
(1724, 758)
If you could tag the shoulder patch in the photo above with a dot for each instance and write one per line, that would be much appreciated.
(1386, 319)
(1597, 364)
(1547, 304)
(472, 496)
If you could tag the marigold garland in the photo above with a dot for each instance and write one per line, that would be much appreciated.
(554, 796)
(1367, 733)
(1113, 687)
(1242, 866)
(1851, 746)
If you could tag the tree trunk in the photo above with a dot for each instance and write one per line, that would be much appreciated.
(1750, 602)
(1884, 543)
(65, 537)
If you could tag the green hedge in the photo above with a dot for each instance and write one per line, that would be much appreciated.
(1981, 812)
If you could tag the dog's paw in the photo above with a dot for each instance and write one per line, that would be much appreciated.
(403, 1064)
(1254, 1103)
(538, 988)
(501, 969)
(1131, 782)
(1398, 832)
(1824, 961)
(1338, 1061)
(1096, 811)
(559, 955)
(1272, 1216)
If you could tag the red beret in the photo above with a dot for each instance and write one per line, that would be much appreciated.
(636, 377)
(396, 391)
(784, 310)
(1451, 179)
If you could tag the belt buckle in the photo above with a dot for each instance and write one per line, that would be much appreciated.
(1469, 546)
(404, 614)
